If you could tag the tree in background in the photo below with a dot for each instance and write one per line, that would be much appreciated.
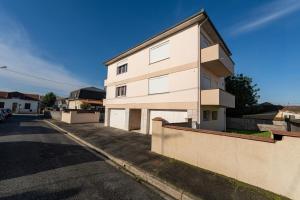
(49, 99)
(85, 106)
(246, 93)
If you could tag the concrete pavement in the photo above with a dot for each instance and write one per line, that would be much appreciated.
(37, 162)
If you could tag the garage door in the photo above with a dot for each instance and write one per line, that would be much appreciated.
(117, 118)
(170, 116)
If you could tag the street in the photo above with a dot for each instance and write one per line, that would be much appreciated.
(38, 162)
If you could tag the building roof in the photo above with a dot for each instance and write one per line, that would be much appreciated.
(294, 109)
(88, 93)
(19, 95)
(199, 17)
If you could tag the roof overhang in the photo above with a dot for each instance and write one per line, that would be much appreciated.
(194, 19)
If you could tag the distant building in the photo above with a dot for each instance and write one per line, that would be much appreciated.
(61, 103)
(289, 112)
(19, 102)
(90, 95)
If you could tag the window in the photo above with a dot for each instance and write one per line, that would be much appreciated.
(27, 106)
(121, 91)
(159, 52)
(206, 115)
(1, 104)
(158, 84)
(214, 115)
(206, 83)
(122, 69)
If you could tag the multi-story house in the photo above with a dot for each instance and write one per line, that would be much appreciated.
(177, 74)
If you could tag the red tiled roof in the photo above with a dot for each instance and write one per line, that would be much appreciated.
(10, 95)
(3, 95)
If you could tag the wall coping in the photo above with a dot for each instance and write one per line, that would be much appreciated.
(235, 135)
(286, 133)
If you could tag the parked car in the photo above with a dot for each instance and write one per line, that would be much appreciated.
(8, 111)
(4, 113)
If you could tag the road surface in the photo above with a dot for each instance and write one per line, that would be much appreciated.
(37, 162)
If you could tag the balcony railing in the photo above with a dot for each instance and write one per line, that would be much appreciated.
(215, 59)
(217, 97)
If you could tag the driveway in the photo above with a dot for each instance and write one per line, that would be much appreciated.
(37, 162)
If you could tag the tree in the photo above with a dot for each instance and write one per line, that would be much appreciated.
(246, 93)
(49, 99)
(85, 106)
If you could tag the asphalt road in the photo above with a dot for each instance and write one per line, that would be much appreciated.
(37, 162)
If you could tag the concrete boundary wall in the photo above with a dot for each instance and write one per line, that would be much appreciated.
(271, 164)
(56, 115)
(73, 117)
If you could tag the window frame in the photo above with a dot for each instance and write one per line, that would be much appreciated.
(157, 77)
(208, 115)
(26, 104)
(157, 46)
(121, 91)
(212, 115)
(122, 69)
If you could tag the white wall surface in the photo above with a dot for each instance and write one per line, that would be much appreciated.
(8, 103)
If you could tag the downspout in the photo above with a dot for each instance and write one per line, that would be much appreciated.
(199, 74)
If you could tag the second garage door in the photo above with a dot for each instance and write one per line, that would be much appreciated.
(169, 115)
(117, 118)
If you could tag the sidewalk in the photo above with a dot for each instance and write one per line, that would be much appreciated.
(135, 149)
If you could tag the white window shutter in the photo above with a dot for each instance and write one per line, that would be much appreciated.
(158, 85)
(159, 52)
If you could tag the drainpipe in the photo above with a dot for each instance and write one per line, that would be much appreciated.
(199, 74)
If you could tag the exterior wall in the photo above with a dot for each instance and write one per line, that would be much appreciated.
(263, 162)
(8, 103)
(74, 104)
(73, 117)
(184, 79)
(219, 124)
(56, 115)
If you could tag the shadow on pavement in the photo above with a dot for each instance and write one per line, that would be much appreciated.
(56, 195)
(26, 158)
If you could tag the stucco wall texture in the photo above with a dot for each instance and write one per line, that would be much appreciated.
(274, 166)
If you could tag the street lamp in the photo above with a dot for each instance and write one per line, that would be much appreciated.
(3, 67)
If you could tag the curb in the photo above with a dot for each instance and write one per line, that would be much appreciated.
(161, 185)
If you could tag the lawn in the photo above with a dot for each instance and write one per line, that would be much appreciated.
(247, 132)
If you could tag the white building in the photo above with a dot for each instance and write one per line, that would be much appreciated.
(177, 75)
(19, 102)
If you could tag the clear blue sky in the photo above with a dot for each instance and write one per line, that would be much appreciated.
(68, 40)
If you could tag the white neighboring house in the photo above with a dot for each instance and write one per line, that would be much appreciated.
(20, 102)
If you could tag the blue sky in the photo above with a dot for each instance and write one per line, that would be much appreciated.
(67, 40)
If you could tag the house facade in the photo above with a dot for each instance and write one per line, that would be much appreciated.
(20, 102)
(90, 95)
(177, 75)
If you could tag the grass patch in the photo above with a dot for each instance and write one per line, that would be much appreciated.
(247, 132)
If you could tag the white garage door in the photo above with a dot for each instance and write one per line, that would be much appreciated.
(170, 116)
(117, 118)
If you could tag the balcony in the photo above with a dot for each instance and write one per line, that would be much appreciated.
(217, 97)
(215, 59)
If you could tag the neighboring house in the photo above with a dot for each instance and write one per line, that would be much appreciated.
(90, 95)
(20, 102)
(290, 112)
(177, 75)
(61, 103)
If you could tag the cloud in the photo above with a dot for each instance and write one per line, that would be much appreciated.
(264, 15)
(27, 69)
